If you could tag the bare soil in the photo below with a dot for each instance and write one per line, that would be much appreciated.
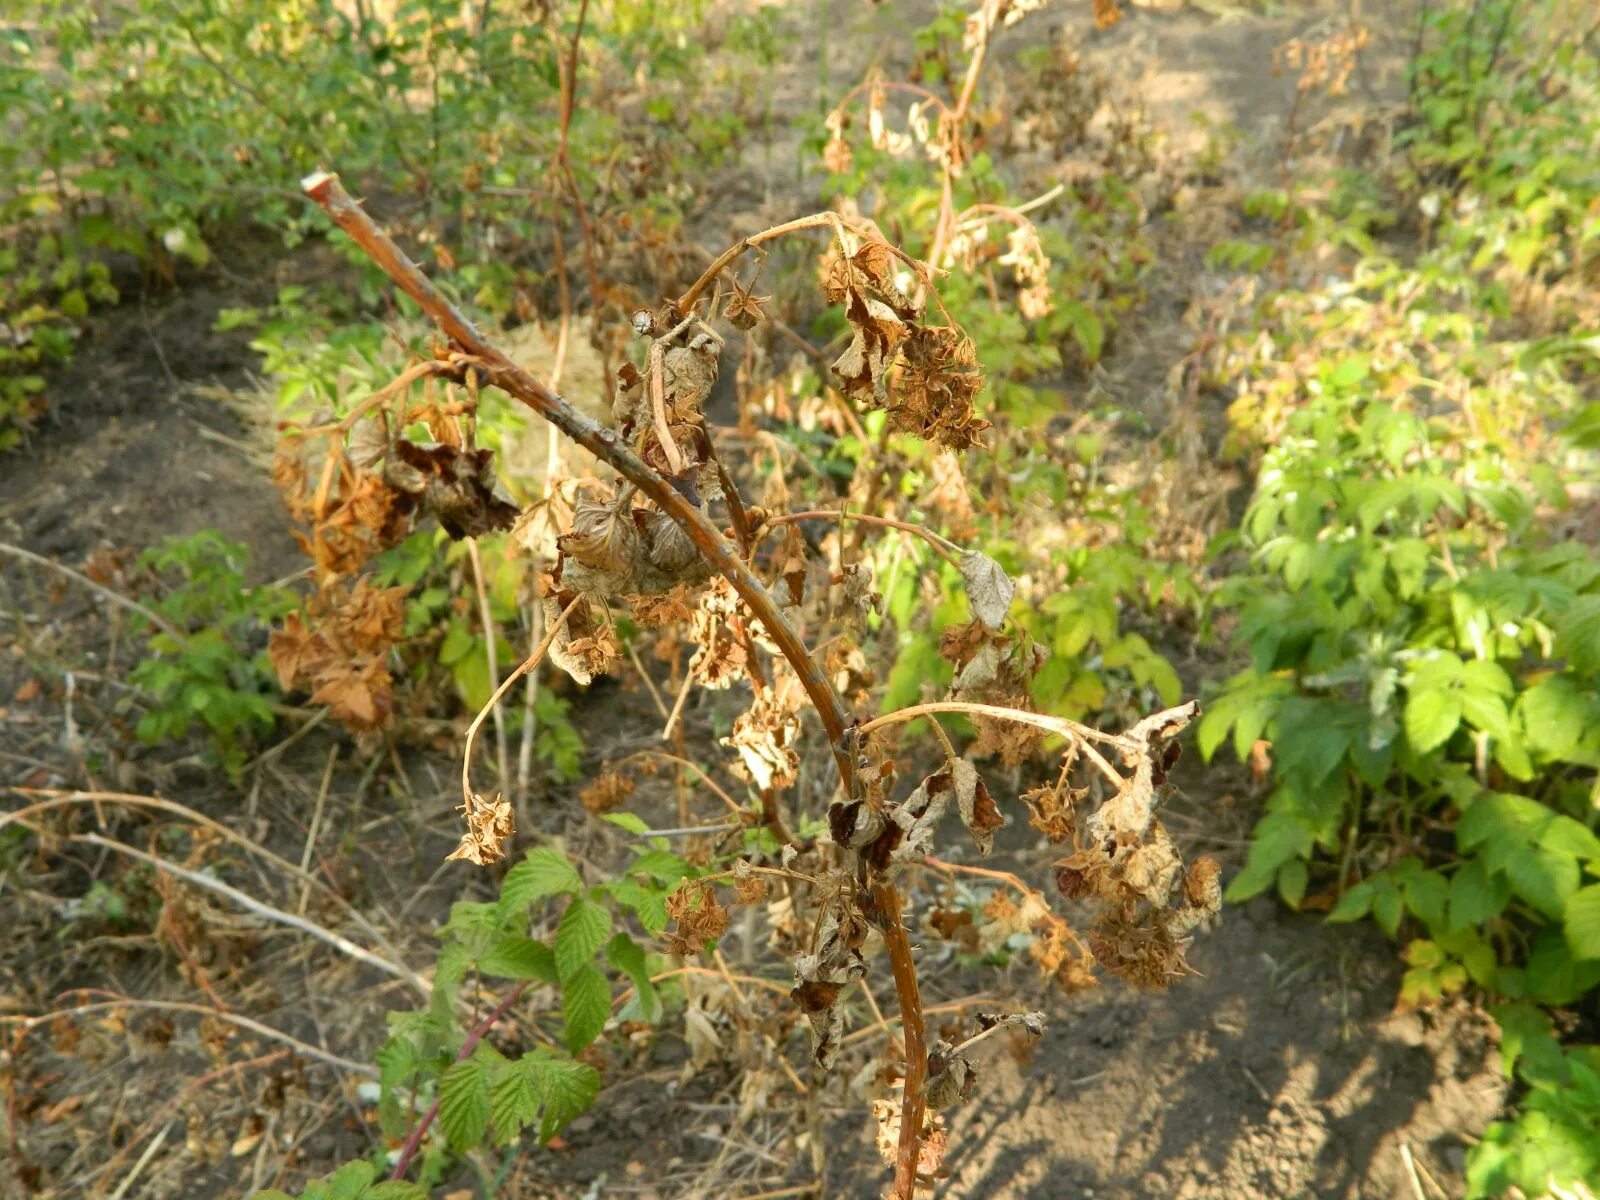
(1280, 1070)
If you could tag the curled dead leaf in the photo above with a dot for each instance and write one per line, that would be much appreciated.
(950, 1077)
(989, 589)
(456, 485)
(858, 591)
(918, 815)
(979, 813)
(833, 963)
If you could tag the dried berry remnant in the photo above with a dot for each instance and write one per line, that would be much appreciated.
(1144, 953)
(1063, 956)
(937, 389)
(743, 309)
(611, 790)
(668, 608)
(1052, 810)
(489, 823)
(747, 885)
(1106, 13)
(700, 919)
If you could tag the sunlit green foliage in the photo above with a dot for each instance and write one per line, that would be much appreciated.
(213, 671)
(1411, 580)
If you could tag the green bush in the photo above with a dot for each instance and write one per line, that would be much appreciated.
(213, 671)
(1424, 637)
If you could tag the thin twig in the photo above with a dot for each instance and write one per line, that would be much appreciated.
(998, 1027)
(343, 944)
(1078, 733)
(486, 615)
(569, 91)
(677, 705)
(144, 1161)
(528, 664)
(162, 1113)
(655, 368)
(316, 826)
(232, 1018)
(693, 766)
(947, 549)
(116, 598)
(57, 798)
(649, 684)
(688, 831)
(955, 1006)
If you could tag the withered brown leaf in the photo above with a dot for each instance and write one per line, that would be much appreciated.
(978, 810)
(458, 486)
(360, 693)
(989, 589)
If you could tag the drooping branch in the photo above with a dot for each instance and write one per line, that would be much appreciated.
(1080, 735)
(822, 220)
(604, 443)
(946, 549)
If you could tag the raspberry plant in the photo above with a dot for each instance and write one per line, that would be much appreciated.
(646, 539)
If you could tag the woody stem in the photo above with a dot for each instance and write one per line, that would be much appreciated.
(913, 1103)
(327, 191)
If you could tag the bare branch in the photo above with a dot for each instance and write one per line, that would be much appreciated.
(601, 441)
